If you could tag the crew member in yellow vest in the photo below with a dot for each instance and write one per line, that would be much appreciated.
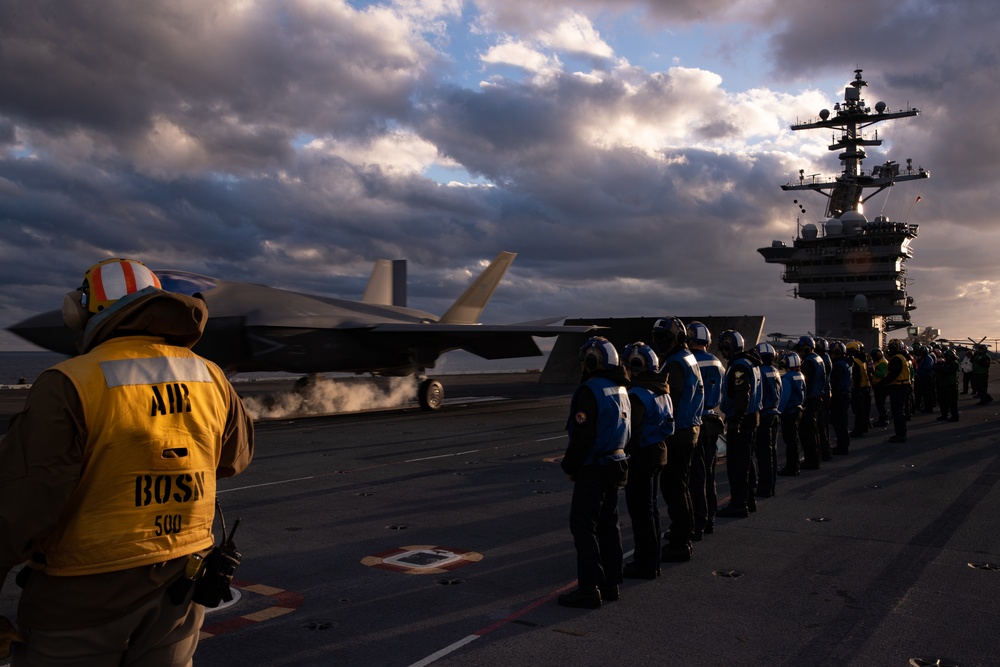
(880, 391)
(107, 478)
(897, 379)
(861, 393)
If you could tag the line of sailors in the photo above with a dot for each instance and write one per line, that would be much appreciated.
(650, 418)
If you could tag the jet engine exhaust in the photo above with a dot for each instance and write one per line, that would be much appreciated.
(315, 395)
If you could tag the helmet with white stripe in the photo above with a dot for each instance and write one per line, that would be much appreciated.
(110, 280)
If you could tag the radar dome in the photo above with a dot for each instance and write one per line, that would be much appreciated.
(852, 221)
(809, 231)
(880, 107)
(834, 227)
(860, 303)
(824, 114)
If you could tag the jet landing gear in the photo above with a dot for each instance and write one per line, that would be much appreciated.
(430, 394)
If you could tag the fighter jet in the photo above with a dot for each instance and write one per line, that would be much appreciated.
(253, 328)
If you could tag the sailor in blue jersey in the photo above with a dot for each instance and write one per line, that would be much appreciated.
(652, 423)
(766, 446)
(840, 401)
(823, 416)
(814, 373)
(683, 379)
(793, 395)
(704, 500)
(741, 403)
(599, 426)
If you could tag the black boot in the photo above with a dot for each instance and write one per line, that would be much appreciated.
(583, 598)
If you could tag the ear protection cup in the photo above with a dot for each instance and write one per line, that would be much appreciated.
(74, 313)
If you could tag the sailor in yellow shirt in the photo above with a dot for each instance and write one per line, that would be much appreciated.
(107, 478)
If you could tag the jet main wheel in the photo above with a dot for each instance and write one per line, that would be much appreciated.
(430, 395)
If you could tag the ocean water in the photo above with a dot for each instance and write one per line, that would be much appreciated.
(18, 368)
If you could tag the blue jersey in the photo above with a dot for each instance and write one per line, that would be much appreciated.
(815, 374)
(687, 406)
(741, 388)
(793, 392)
(770, 385)
(613, 420)
(712, 373)
(840, 378)
(658, 422)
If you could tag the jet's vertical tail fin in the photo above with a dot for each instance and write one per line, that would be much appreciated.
(469, 306)
(387, 284)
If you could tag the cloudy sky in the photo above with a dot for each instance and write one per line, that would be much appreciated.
(630, 152)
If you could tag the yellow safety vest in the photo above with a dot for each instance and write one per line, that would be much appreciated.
(904, 373)
(862, 372)
(155, 416)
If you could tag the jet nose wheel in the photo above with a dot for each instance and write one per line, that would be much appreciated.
(430, 395)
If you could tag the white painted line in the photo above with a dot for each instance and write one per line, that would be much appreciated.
(557, 437)
(445, 651)
(441, 456)
(255, 486)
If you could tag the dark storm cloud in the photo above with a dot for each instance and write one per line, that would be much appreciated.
(242, 140)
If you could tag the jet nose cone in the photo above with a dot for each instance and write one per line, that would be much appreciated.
(49, 331)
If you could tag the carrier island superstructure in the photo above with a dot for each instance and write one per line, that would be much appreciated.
(850, 266)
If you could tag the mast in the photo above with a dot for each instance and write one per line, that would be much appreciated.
(853, 270)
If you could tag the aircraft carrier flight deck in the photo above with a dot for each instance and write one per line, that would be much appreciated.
(403, 538)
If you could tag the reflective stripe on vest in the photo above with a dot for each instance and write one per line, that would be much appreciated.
(658, 422)
(688, 407)
(614, 415)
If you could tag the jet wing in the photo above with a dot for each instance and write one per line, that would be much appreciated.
(498, 341)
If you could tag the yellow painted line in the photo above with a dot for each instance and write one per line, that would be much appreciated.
(269, 613)
(262, 589)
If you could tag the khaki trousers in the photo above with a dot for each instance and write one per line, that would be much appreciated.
(157, 634)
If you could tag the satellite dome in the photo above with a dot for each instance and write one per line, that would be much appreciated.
(824, 114)
(834, 227)
(852, 221)
(809, 231)
(880, 107)
(860, 303)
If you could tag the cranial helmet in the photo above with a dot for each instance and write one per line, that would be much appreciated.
(821, 345)
(104, 284)
(668, 332)
(894, 346)
(877, 354)
(791, 360)
(837, 349)
(855, 348)
(640, 358)
(598, 354)
(698, 333)
(766, 352)
(730, 343)
(804, 343)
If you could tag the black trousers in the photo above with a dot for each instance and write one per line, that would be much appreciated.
(642, 501)
(675, 484)
(823, 427)
(899, 394)
(790, 434)
(948, 399)
(809, 431)
(593, 521)
(980, 382)
(861, 406)
(704, 499)
(881, 392)
(839, 408)
(740, 433)
(766, 452)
